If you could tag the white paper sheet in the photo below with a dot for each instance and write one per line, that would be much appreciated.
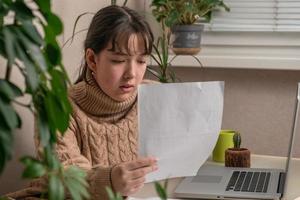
(179, 124)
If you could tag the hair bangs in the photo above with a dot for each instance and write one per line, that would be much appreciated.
(120, 41)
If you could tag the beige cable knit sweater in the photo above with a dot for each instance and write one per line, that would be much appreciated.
(101, 134)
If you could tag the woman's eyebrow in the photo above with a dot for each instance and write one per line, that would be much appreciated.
(119, 53)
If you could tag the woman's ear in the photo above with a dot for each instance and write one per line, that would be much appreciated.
(90, 58)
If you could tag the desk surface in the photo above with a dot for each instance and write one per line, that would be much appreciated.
(257, 161)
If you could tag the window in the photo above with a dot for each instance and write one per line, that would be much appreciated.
(257, 34)
(258, 15)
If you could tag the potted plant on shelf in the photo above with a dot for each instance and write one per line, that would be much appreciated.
(37, 56)
(181, 16)
(237, 156)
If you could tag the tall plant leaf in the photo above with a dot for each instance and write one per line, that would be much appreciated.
(31, 79)
(32, 33)
(54, 23)
(33, 50)
(33, 168)
(9, 38)
(8, 90)
(9, 115)
(55, 188)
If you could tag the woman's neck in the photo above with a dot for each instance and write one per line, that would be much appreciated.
(92, 100)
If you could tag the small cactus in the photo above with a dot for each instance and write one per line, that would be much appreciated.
(237, 140)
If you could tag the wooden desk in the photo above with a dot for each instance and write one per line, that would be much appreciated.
(257, 161)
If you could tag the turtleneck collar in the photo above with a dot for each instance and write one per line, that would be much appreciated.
(91, 99)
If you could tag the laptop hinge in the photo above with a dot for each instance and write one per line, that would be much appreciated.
(281, 182)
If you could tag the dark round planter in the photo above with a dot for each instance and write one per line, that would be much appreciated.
(237, 157)
(187, 39)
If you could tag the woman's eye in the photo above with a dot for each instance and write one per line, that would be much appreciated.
(117, 61)
(141, 61)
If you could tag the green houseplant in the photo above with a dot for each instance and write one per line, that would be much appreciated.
(161, 57)
(37, 55)
(237, 156)
(181, 16)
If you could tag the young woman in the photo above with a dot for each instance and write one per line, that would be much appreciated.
(102, 137)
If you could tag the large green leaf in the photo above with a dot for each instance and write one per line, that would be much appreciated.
(55, 109)
(54, 23)
(45, 5)
(33, 168)
(3, 10)
(9, 40)
(43, 128)
(33, 50)
(31, 78)
(55, 188)
(63, 122)
(50, 37)
(53, 53)
(58, 82)
(59, 87)
(8, 90)
(9, 115)
(32, 33)
(22, 11)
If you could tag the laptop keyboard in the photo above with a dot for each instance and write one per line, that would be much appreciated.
(242, 181)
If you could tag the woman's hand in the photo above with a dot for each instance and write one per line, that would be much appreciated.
(129, 177)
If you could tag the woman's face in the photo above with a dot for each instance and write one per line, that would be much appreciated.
(118, 73)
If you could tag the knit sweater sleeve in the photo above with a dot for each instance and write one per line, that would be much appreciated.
(68, 151)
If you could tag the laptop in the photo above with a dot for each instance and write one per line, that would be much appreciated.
(219, 182)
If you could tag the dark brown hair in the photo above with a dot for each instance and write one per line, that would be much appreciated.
(115, 24)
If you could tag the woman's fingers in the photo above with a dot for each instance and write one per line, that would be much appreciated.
(141, 172)
(129, 177)
(137, 182)
(141, 162)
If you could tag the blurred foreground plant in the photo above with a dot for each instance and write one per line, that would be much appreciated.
(28, 44)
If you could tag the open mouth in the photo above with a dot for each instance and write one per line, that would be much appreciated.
(127, 88)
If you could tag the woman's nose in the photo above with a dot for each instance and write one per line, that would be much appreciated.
(130, 70)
